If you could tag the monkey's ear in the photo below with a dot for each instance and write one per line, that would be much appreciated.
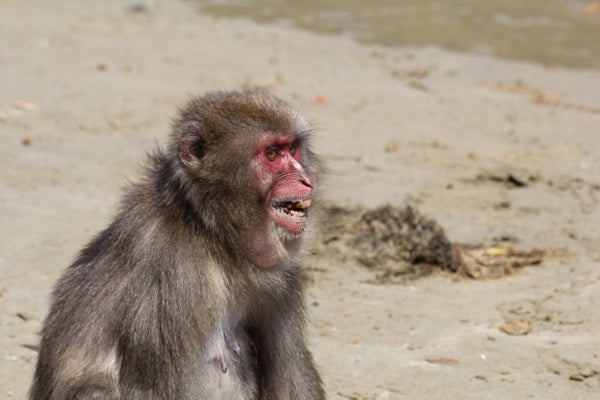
(192, 145)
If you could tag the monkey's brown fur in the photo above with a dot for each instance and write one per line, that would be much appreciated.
(174, 300)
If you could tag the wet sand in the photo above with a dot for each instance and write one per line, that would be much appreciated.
(88, 89)
(560, 33)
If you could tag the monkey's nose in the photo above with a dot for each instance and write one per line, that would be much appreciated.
(306, 181)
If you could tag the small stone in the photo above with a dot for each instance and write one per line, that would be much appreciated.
(578, 377)
(417, 84)
(587, 372)
(25, 316)
(138, 7)
(516, 327)
(25, 105)
(442, 361)
(392, 146)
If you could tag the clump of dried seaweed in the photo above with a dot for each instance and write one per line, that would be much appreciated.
(400, 243)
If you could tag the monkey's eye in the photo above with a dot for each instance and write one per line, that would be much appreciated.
(271, 153)
(293, 147)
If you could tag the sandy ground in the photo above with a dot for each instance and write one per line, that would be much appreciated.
(87, 88)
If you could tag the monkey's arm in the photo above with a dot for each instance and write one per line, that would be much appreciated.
(289, 371)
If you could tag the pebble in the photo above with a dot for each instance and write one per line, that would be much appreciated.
(25, 105)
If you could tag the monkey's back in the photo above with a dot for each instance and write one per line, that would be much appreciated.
(137, 310)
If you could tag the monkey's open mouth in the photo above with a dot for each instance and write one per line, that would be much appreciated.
(293, 208)
(289, 214)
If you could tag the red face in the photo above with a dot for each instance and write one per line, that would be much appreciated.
(282, 175)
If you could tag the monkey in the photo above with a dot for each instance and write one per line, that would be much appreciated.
(195, 289)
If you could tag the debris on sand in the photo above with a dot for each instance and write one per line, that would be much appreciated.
(401, 243)
(389, 236)
(516, 327)
(496, 262)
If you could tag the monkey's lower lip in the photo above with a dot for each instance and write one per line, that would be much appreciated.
(289, 214)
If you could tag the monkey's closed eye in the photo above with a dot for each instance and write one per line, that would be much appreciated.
(271, 153)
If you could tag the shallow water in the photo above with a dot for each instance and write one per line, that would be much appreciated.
(553, 32)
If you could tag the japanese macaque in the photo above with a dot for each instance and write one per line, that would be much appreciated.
(194, 291)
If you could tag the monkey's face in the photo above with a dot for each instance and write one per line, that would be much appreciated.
(249, 172)
(288, 186)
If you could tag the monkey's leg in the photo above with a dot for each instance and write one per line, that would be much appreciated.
(91, 387)
(91, 394)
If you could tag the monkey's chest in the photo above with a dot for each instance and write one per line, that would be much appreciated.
(226, 367)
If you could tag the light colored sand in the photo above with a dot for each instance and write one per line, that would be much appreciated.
(106, 81)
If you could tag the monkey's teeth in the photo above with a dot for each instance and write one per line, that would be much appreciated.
(304, 204)
(292, 209)
(295, 213)
(295, 209)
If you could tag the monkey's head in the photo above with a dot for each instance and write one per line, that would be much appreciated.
(248, 170)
